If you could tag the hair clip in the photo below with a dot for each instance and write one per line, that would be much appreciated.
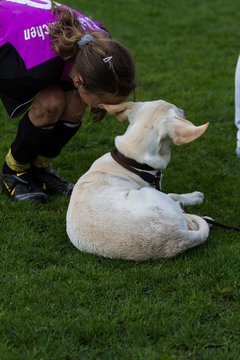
(107, 59)
(84, 40)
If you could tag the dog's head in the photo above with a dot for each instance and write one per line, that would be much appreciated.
(153, 126)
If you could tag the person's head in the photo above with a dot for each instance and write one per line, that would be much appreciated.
(104, 68)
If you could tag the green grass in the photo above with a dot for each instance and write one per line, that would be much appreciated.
(59, 304)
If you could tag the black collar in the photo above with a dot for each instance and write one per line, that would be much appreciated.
(132, 165)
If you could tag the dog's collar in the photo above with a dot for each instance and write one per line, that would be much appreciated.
(133, 165)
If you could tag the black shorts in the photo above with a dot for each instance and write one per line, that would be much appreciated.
(17, 104)
(19, 86)
(20, 102)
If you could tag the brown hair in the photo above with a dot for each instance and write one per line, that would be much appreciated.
(117, 76)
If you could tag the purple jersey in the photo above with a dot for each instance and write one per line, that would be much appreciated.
(31, 19)
(27, 62)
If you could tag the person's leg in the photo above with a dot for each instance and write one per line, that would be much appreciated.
(40, 138)
(237, 105)
(34, 130)
(36, 126)
(66, 127)
(63, 131)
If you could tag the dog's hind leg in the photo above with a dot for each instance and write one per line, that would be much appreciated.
(194, 198)
(191, 221)
(185, 239)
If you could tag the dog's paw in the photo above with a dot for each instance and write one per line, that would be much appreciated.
(194, 198)
(197, 197)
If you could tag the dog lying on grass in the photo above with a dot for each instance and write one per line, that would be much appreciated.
(116, 209)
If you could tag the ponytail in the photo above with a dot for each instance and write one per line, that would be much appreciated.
(65, 32)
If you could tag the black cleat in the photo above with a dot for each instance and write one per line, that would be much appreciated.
(20, 186)
(50, 182)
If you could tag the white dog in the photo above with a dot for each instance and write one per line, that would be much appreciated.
(116, 209)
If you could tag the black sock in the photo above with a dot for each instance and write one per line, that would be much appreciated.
(29, 140)
(60, 136)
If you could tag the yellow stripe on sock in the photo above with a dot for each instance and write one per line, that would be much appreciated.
(42, 161)
(14, 164)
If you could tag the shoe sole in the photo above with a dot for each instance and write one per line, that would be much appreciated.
(65, 192)
(38, 197)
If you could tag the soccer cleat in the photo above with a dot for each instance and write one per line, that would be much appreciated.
(50, 182)
(21, 187)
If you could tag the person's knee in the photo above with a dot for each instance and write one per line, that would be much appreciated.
(48, 107)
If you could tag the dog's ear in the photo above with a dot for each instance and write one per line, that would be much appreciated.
(184, 131)
(120, 111)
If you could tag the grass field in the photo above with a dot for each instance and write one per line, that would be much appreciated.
(59, 304)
